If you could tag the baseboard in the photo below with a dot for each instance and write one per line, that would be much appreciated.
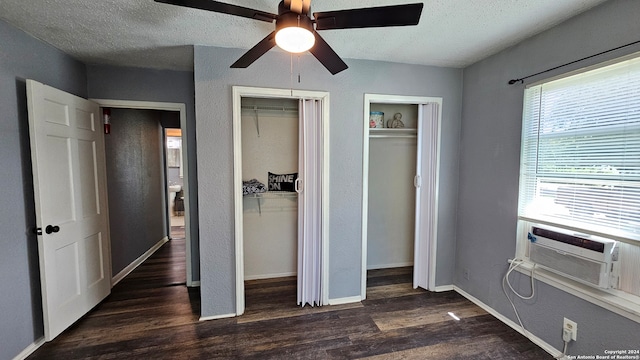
(269, 276)
(30, 349)
(345, 300)
(443, 288)
(216, 317)
(389, 266)
(126, 271)
(536, 340)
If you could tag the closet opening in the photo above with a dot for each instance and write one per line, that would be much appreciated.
(401, 151)
(270, 201)
(281, 197)
(392, 194)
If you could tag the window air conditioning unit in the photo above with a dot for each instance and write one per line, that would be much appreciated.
(590, 261)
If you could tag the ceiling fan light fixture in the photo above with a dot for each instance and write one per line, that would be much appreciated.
(294, 32)
(295, 39)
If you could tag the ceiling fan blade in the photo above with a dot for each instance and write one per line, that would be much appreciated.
(220, 7)
(382, 16)
(255, 52)
(327, 57)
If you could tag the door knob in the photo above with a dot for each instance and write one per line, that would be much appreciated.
(52, 229)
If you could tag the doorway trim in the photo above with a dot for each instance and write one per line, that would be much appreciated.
(238, 93)
(181, 108)
(432, 245)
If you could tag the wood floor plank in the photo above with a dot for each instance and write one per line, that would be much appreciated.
(486, 347)
(261, 315)
(415, 317)
(392, 290)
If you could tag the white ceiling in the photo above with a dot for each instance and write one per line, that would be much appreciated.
(143, 33)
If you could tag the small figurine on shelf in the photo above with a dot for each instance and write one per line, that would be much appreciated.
(396, 122)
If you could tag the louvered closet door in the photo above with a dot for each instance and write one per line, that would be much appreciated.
(309, 188)
(425, 183)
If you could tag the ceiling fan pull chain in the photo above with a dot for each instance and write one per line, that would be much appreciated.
(291, 73)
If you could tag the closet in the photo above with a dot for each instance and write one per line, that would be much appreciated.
(400, 177)
(270, 157)
(392, 167)
(281, 189)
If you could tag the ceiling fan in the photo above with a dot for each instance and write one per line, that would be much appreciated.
(295, 29)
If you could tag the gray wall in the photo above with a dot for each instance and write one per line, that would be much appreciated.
(23, 57)
(489, 168)
(121, 83)
(213, 82)
(135, 179)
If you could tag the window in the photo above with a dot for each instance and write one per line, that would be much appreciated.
(580, 160)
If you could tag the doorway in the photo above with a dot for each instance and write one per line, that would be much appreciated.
(180, 110)
(322, 100)
(174, 178)
(269, 173)
(401, 151)
(391, 192)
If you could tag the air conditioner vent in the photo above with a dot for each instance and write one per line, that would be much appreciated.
(569, 239)
(575, 267)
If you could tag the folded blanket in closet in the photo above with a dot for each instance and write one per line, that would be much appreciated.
(253, 186)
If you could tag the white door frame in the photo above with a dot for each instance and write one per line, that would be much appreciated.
(432, 246)
(181, 108)
(238, 93)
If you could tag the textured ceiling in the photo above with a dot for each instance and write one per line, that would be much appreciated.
(143, 33)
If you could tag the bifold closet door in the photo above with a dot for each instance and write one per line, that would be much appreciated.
(425, 183)
(309, 188)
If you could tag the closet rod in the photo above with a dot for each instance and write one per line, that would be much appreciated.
(257, 108)
(393, 136)
(269, 108)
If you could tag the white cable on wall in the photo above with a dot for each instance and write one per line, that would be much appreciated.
(512, 266)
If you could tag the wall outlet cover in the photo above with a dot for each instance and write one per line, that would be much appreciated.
(572, 327)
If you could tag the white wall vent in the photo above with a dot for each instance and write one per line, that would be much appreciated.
(583, 258)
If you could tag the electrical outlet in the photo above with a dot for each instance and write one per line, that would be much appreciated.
(465, 274)
(572, 327)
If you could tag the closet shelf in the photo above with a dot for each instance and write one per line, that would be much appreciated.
(271, 195)
(384, 133)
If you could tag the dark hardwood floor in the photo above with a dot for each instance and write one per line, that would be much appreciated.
(151, 314)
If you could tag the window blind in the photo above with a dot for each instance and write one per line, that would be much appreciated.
(580, 160)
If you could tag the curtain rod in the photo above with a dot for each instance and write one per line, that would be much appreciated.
(521, 80)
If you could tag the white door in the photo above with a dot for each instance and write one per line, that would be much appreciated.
(426, 189)
(69, 180)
